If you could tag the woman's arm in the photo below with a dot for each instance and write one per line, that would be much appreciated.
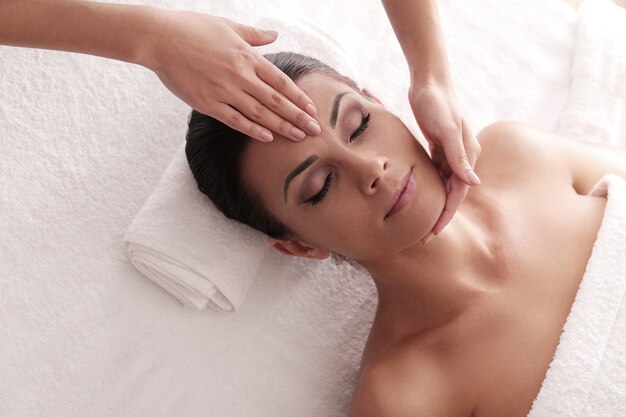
(243, 89)
(116, 31)
(417, 27)
(453, 147)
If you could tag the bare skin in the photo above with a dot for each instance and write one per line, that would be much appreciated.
(467, 324)
(491, 359)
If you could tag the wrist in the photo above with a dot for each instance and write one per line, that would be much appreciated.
(421, 78)
(152, 22)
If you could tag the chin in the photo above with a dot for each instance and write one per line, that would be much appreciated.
(422, 213)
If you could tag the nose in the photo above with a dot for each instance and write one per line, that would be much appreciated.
(368, 170)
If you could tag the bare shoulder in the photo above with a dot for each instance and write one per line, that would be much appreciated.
(410, 384)
(525, 154)
(521, 154)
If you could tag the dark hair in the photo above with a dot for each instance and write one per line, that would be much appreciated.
(214, 152)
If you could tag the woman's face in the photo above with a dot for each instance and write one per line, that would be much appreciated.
(334, 190)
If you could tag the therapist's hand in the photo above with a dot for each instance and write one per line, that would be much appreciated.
(453, 147)
(209, 62)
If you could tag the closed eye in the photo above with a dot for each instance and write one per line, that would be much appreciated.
(317, 198)
(320, 196)
(365, 120)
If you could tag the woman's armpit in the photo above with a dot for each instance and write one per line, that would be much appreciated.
(589, 162)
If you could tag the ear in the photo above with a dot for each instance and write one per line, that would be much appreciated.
(368, 93)
(297, 248)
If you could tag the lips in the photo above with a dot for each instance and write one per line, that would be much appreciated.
(396, 196)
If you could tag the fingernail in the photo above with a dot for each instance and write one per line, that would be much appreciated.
(472, 177)
(272, 33)
(267, 136)
(313, 128)
(297, 133)
(428, 238)
(311, 110)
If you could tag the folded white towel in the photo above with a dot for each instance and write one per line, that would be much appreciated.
(596, 108)
(178, 239)
(174, 242)
(587, 376)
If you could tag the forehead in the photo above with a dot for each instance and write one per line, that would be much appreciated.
(321, 88)
(265, 165)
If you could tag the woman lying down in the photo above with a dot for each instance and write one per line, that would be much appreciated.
(466, 324)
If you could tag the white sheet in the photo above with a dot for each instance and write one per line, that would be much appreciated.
(84, 141)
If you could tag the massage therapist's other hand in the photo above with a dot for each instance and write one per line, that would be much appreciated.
(209, 62)
(453, 147)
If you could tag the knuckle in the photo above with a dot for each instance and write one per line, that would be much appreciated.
(450, 131)
(285, 128)
(301, 118)
(301, 100)
(282, 81)
(254, 33)
(276, 100)
(243, 61)
(244, 126)
(219, 113)
(462, 160)
(250, 130)
(245, 55)
(234, 119)
(258, 111)
(202, 96)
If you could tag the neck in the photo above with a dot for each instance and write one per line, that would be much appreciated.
(427, 286)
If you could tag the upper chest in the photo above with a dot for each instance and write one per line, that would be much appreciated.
(504, 347)
(498, 352)
(546, 233)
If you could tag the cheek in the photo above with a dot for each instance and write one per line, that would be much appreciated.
(328, 231)
(358, 232)
(343, 228)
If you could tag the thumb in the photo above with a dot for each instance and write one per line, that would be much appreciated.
(255, 36)
(458, 161)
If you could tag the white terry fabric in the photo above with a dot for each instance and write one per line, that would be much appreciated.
(596, 109)
(180, 239)
(174, 241)
(85, 141)
(587, 376)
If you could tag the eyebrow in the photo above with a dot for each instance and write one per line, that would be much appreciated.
(304, 165)
(335, 111)
(307, 162)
